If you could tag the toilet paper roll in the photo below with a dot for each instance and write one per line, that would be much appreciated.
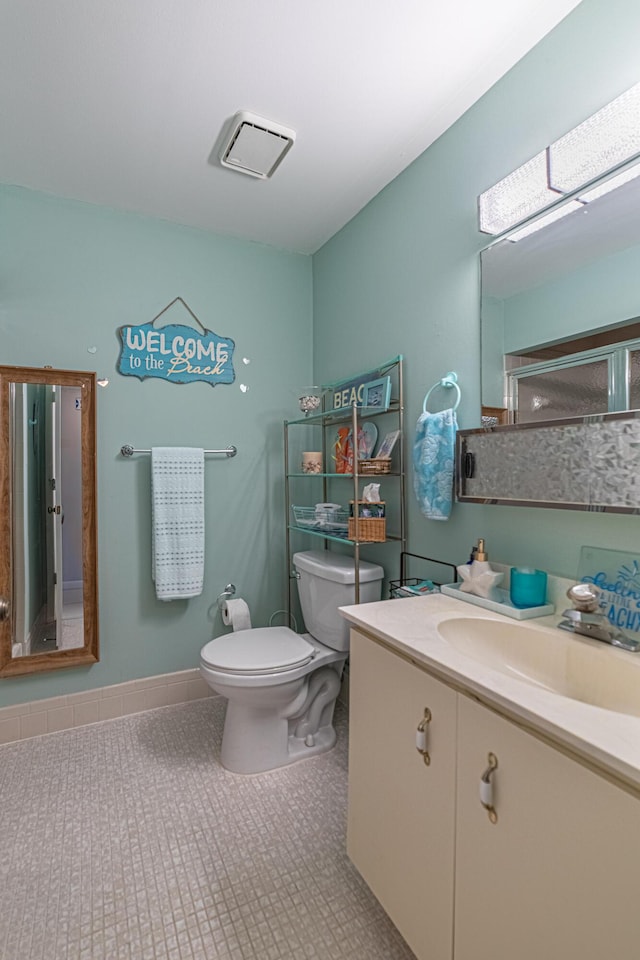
(235, 613)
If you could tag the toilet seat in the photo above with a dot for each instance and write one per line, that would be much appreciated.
(262, 650)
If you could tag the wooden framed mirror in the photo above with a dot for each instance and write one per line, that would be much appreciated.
(48, 549)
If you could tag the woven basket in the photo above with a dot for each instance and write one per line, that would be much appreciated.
(370, 529)
(374, 467)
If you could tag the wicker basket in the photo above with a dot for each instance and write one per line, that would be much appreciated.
(370, 529)
(374, 467)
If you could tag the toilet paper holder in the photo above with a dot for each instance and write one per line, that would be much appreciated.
(229, 591)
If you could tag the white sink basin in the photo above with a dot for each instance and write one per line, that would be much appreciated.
(584, 670)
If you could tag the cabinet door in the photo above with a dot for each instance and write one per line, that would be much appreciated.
(401, 811)
(558, 875)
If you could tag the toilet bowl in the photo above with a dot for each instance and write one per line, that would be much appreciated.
(282, 686)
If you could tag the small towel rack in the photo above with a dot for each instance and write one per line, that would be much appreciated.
(449, 380)
(128, 451)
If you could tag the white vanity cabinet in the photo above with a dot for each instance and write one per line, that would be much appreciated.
(557, 876)
(401, 810)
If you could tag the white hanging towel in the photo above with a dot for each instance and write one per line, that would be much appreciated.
(177, 521)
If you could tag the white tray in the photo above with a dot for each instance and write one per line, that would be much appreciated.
(501, 605)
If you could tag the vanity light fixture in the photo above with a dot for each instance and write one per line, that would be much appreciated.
(255, 146)
(556, 214)
(516, 197)
(605, 141)
(630, 173)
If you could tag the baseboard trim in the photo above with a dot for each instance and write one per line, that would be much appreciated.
(39, 717)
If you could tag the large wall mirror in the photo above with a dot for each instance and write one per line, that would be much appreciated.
(48, 556)
(561, 315)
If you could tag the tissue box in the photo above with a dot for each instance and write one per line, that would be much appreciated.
(371, 521)
(367, 509)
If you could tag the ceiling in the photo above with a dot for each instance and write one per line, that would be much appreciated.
(122, 103)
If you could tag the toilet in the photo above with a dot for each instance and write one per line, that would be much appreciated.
(282, 686)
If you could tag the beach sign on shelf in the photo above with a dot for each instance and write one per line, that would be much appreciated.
(361, 392)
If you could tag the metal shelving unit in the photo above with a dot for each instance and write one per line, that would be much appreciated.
(327, 421)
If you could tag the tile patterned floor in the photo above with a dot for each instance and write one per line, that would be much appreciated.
(126, 840)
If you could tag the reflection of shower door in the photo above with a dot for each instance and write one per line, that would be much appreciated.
(54, 510)
(562, 390)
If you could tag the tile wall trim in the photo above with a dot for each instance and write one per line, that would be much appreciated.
(37, 717)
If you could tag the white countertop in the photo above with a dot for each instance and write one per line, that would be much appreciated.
(605, 738)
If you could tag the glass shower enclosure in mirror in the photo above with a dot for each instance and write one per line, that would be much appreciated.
(561, 314)
(48, 564)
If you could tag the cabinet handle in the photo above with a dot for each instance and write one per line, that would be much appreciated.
(421, 736)
(486, 788)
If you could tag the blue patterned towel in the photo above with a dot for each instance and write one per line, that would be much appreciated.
(177, 521)
(433, 462)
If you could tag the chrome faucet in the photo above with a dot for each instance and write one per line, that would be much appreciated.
(587, 618)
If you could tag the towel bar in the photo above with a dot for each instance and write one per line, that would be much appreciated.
(127, 451)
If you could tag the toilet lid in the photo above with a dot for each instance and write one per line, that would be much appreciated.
(260, 650)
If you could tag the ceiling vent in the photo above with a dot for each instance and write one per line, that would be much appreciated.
(255, 146)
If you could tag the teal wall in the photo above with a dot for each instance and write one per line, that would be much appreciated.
(71, 274)
(403, 276)
(492, 351)
(597, 295)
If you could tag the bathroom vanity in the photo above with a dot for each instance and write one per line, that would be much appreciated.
(514, 830)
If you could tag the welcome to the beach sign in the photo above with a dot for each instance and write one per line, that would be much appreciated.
(175, 353)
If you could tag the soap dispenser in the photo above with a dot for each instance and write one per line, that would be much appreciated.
(482, 557)
(478, 577)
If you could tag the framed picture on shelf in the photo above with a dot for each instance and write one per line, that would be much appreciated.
(387, 445)
(377, 393)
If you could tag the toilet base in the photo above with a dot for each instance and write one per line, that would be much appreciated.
(263, 736)
(277, 719)
(324, 740)
(255, 741)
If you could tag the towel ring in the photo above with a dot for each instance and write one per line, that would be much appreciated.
(449, 380)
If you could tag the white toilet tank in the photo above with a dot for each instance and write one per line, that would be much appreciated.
(326, 581)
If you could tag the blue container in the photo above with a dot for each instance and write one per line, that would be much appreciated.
(528, 587)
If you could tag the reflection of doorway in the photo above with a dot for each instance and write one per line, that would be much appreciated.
(29, 517)
(50, 469)
(53, 517)
(26, 589)
(71, 527)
